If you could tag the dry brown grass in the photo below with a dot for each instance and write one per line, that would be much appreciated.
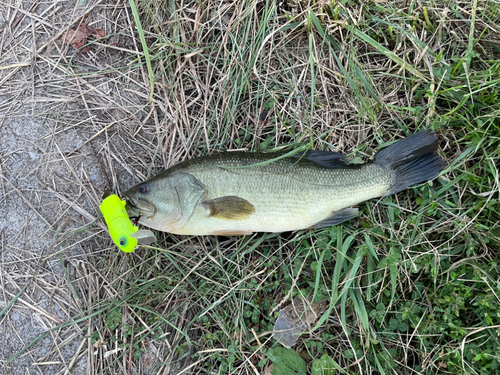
(60, 111)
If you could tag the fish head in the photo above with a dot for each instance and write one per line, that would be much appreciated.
(165, 202)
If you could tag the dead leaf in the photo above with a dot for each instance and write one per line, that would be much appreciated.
(77, 37)
(297, 317)
(98, 33)
(268, 370)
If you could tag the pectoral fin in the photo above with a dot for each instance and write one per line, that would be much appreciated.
(337, 217)
(229, 208)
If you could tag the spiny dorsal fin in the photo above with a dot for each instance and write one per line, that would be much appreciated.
(230, 208)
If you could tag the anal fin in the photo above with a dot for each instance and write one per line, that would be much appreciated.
(337, 217)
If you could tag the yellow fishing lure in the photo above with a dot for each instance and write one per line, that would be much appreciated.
(121, 229)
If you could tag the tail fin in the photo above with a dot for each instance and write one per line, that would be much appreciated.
(413, 160)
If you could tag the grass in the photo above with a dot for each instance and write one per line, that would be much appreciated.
(410, 287)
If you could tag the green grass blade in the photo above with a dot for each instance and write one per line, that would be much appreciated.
(389, 54)
(145, 48)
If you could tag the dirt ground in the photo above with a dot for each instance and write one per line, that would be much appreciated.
(63, 116)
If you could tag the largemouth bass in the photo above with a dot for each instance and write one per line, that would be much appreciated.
(237, 193)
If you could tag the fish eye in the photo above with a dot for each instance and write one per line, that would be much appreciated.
(143, 189)
(122, 241)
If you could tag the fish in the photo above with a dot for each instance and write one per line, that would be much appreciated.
(239, 193)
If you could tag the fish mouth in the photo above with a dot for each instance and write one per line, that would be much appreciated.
(139, 207)
(131, 208)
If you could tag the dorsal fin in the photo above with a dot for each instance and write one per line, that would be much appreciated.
(327, 159)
